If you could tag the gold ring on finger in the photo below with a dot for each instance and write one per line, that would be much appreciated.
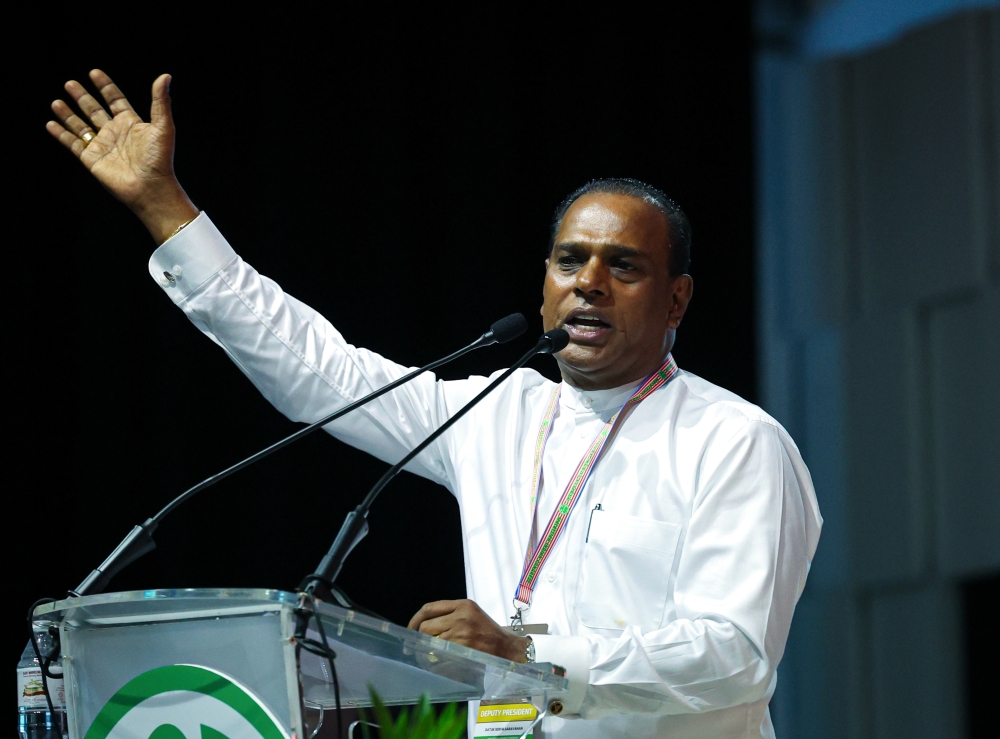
(88, 136)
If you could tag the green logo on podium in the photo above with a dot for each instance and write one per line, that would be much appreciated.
(184, 702)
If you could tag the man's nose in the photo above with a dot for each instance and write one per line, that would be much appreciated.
(592, 278)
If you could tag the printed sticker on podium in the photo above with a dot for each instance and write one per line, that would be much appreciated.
(504, 720)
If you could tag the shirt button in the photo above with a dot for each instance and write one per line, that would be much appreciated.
(587, 401)
(551, 577)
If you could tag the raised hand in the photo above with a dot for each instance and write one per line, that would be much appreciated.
(131, 158)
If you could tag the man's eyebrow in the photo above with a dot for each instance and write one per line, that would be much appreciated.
(616, 250)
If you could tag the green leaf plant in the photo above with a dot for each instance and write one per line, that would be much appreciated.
(422, 722)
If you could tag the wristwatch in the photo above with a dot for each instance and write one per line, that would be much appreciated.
(529, 651)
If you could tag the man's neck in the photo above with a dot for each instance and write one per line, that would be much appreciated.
(592, 383)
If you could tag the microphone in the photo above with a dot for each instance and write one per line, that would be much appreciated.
(355, 526)
(140, 539)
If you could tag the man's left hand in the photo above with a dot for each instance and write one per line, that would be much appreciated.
(465, 623)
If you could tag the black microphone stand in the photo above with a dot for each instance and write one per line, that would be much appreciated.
(355, 526)
(140, 539)
(319, 585)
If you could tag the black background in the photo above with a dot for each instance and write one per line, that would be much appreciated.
(396, 173)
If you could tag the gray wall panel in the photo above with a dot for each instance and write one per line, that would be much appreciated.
(988, 57)
(917, 142)
(917, 690)
(879, 266)
(884, 502)
(813, 698)
(965, 391)
(822, 444)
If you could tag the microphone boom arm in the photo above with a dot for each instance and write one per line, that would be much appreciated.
(355, 526)
(140, 539)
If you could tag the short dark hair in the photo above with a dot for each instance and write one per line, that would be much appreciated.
(678, 225)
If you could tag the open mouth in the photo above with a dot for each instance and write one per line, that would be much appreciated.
(584, 325)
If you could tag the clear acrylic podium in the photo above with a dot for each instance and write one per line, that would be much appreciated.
(137, 661)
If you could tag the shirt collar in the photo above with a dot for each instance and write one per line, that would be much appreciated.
(596, 401)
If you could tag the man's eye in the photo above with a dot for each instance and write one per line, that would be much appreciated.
(623, 266)
(568, 261)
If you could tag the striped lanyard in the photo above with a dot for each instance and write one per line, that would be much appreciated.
(535, 558)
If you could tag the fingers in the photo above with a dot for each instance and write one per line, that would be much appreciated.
(109, 91)
(72, 142)
(70, 129)
(69, 119)
(160, 114)
(464, 622)
(437, 626)
(90, 107)
(71, 126)
(431, 610)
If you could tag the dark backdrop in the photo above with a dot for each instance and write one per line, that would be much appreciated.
(396, 173)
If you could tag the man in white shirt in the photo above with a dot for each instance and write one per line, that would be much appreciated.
(660, 526)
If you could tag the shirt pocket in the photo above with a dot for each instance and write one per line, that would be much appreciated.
(626, 571)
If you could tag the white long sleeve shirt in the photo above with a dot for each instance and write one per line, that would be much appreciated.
(669, 607)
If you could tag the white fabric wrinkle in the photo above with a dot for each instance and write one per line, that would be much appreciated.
(281, 319)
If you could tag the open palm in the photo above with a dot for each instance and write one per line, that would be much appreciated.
(125, 154)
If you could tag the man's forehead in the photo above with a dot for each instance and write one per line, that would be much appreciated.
(602, 218)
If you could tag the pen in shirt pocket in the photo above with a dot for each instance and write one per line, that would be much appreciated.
(591, 522)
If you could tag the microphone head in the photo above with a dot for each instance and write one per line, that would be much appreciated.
(553, 341)
(509, 328)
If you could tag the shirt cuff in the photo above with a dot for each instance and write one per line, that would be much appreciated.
(573, 654)
(190, 258)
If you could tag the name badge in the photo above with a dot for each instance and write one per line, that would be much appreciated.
(504, 720)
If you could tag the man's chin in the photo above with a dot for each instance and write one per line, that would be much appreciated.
(582, 359)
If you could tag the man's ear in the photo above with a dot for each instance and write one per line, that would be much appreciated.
(680, 296)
